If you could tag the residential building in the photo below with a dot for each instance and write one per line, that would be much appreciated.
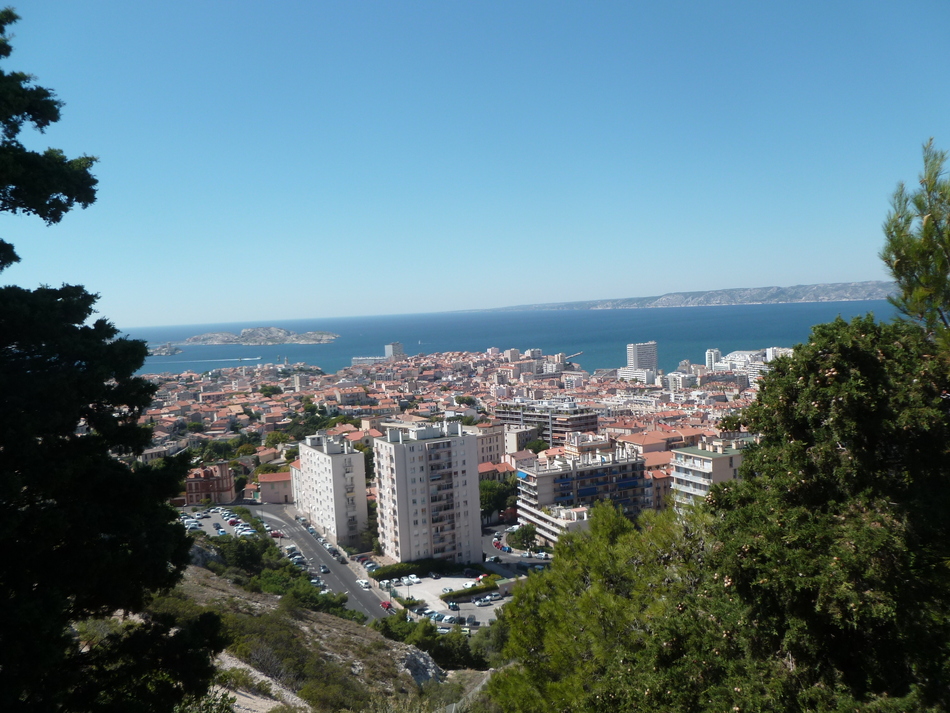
(212, 482)
(329, 488)
(394, 351)
(712, 356)
(554, 419)
(642, 355)
(589, 470)
(697, 468)
(428, 496)
(275, 487)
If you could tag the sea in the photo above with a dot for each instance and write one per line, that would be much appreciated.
(598, 338)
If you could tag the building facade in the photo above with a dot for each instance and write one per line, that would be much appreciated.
(428, 496)
(212, 482)
(697, 468)
(330, 487)
(553, 493)
(642, 355)
(553, 419)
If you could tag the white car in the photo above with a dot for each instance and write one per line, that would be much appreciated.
(363, 583)
(469, 585)
(414, 579)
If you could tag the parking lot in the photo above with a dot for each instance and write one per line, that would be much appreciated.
(429, 590)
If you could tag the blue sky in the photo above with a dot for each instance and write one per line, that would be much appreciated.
(284, 160)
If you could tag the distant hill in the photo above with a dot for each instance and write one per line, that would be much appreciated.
(834, 292)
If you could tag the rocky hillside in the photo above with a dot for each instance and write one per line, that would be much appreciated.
(362, 659)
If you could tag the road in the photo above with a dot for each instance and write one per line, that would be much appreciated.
(341, 577)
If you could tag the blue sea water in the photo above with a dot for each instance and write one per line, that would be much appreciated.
(602, 335)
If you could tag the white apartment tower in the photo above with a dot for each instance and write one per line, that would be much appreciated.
(712, 356)
(330, 487)
(642, 356)
(428, 496)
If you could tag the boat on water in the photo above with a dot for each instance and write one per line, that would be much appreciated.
(249, 359)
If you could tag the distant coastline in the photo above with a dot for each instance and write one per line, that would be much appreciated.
(830, 292)
(262, 336)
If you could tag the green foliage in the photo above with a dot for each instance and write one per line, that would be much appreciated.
(275, 438)
(537, 445)
(266, 468)
(195, 426)
(466, 400)
(524, 537)
(494, 494)
(917, 251)
(240, 679)
(270, 390)
(84, 535)
(818, 581)
(245, 450)
(420, 568)
(450, 651)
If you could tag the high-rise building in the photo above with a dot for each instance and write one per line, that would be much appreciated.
(330, 487)
(712, 356)
(642, 356)
(428, 496)
(395, 351)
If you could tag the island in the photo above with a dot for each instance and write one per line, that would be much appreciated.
(259, 336)
(165, 350)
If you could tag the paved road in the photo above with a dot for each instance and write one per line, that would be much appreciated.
(341, 578)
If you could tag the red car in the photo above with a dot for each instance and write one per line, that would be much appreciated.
(497, 544)
(386, 605)
(276, 533)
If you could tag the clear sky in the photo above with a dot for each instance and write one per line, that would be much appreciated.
(283, 160)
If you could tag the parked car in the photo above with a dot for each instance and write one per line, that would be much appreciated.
(449, 619)
(446, 590)
(471, 620)
(468, 585)
(414, 579)
(386, 584)
(483, 602)
(435, 575)
(527, 554)
(454, 606)
(495, 558)
(386, 605)
(506, 548)
(494, 596)
(443, 630)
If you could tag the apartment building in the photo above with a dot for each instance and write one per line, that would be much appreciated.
(491, 441)
(553, 494)
(212, 482)
(697, 468)
(329, 488)
(428, 497)
(553, 419)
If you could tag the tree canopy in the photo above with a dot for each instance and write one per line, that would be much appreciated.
(84, 536)
(917, 247)
(818, 581)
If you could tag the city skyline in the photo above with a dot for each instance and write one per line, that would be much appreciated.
(384, 149)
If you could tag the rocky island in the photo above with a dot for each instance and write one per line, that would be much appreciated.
(258, 336)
